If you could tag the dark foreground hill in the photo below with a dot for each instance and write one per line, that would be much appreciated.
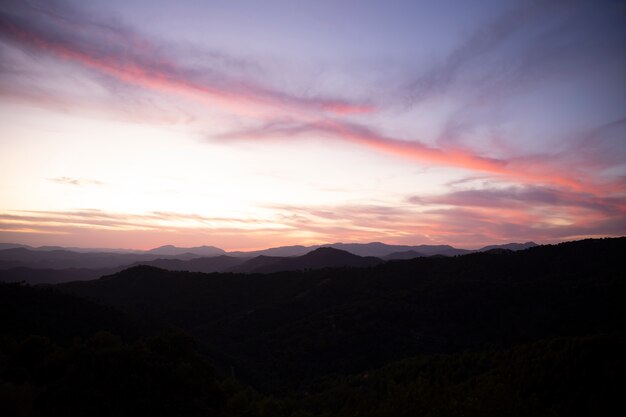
(286, 330)
(317, 259)
(537, 332)
(220, 263)
(65, 356)
(53, 276)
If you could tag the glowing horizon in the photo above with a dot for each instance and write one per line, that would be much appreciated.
(139, 124)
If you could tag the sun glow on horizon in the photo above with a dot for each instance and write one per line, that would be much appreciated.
(113, 137)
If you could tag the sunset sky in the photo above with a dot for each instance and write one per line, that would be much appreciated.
(250, 124)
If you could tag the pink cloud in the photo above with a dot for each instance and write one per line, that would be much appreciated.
(135, 60)
(464, 219)
(523, 170)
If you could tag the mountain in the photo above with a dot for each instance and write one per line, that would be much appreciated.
(445, 250)
(410, 254)
(4, 246)
(53, 276)
(280, 251)
(87, 250)
(509, 246)
(317, 259)
(171, 250)
(61, 317)
(257, 263)
(61, 355)
(64, 259)
(377, 249)
(283, 330)
(325, 257)
(220, 263)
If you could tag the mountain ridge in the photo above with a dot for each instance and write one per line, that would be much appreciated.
(378, 249)
(349, 320)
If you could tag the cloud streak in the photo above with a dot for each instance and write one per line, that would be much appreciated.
(526, 197)
(119, 52)
(467, 218)
(573, 189)
(470, 218)
(78, 182)
(523, 169)
(485, 40)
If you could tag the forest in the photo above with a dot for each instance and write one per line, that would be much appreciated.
(533, 332)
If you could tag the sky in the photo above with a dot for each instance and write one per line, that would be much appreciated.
(252, 124)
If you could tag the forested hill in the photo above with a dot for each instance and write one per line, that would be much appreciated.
(65, 356)
(283, 329)
(537, 332)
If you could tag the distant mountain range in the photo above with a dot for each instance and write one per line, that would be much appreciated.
(4, 246)
(171, 250)
(377, 249)
(319, 258)
(50, 264)
(60, 259)
(409, 254)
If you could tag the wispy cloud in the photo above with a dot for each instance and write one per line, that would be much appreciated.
(528, 169)
(539, 52)
(526, 197)
(467, 218)
(151, 220)
(117, 51)
(525, 211)
(78, 182)
(562, 192)
(121, 53)
(140, 230)
(485, 40)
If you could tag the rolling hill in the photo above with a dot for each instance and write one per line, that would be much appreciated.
(285, 328)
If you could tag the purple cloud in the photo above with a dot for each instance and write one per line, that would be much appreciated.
(117, 51)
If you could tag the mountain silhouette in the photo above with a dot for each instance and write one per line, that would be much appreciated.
(319, 258)
(410, 254)
(54, 276)
(279, 251)
(326, 321)
(64, 259)
(219, 263)
(257, 264)
(509, 246)
(377, 249)
(35, 265)
(171, 250)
